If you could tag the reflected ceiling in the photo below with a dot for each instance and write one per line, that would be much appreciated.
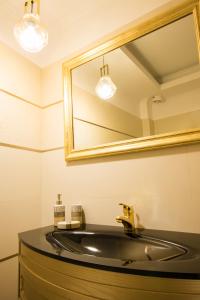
(160, 61)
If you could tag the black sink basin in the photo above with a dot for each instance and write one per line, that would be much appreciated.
(116, 245)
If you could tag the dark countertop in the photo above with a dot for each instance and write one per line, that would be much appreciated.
(187, 266)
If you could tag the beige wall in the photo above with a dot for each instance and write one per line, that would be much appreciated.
(8, 279)
(18, 75)
(89, 135)
(184, 121)
(162, 185)
(179, 99)
(180, 110)
(109, 123)
(20, 125)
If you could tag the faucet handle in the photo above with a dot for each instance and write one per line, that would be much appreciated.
(124, 205)
(127, 209)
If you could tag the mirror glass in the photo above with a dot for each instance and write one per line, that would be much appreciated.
(157, 81)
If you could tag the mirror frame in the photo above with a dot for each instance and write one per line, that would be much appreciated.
(163, 17)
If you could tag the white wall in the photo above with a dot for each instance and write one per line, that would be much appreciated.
(20, 122)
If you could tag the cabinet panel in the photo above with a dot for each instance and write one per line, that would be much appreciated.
(56, 280)
(36, 288)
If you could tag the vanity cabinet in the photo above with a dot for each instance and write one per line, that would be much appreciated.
(46, 278)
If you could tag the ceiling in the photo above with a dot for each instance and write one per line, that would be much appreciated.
(168, 50)
(72, 24)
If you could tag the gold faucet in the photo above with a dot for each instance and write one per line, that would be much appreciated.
(128, 218)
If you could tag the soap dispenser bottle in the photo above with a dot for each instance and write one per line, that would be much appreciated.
(59, 211)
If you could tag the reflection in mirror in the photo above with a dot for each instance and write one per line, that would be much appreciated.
(157, 77)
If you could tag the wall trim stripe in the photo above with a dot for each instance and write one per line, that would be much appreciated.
(104, 127)
(29, 148)
(30, 102)
(8, 257)
(19, 147)
(19, 98)
(52, 149)
(52, 104)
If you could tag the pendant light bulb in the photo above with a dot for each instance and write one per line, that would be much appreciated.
(29, 32)
(105, 88)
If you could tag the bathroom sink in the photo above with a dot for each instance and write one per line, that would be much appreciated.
(116, 245)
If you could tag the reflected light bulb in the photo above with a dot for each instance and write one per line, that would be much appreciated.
(29, 33)
(105, 88)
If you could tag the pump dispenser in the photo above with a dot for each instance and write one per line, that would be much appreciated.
(59, 211)
(59, 201)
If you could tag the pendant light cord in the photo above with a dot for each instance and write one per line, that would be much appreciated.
(32, 3)
(25, 6)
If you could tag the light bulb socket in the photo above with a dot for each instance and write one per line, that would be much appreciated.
(104, 71)
(32, 7)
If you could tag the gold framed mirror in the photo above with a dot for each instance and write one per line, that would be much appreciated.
(137, 91)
